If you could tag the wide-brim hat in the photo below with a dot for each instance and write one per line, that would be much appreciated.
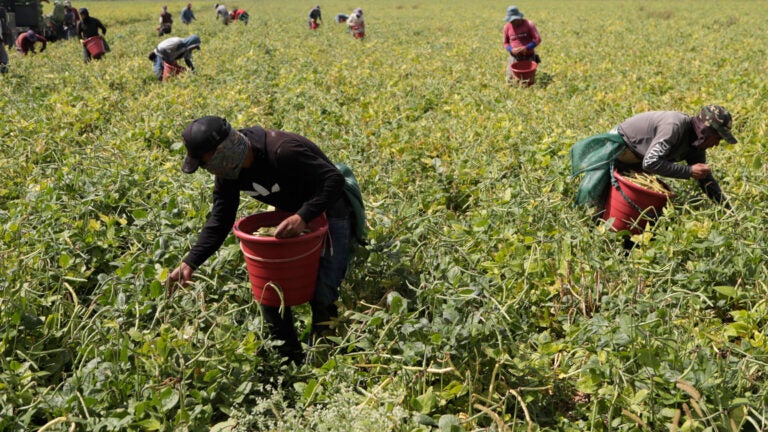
(513, 13)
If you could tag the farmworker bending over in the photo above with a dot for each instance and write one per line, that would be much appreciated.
(520, 38)
(221, 11)
(187, 15)
(341, 18)
(356, 24)
(171, 51)
(89, 27)
(291, 173)
(25, 43)
(239, 15)
(166, 21)
(652, 142)
(315, 17)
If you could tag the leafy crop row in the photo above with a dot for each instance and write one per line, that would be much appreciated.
(485, 300)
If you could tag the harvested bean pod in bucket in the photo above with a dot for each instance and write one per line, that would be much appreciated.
(282, 271)
(634, 200)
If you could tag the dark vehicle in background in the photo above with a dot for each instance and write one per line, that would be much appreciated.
(18, 16)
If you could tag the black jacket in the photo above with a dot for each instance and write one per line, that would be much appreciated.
(288, 172)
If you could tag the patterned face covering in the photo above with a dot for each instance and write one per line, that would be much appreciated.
(229, 156)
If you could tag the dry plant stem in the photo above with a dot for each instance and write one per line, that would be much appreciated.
(634, 418)
(524, 407)
(499, 423)
(53, 423)
(676, 421)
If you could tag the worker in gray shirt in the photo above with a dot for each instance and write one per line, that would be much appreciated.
(653, 142)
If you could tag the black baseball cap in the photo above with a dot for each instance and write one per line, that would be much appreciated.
(202, 136)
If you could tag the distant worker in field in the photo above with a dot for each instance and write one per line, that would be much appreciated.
(653, 142)
(520, 39)
(25, 43)
(166, 21)
(239, 15)
(87, 28)
(291, 173)
(187, 15)
(341, 18)
(171, 50)
(3, 52)
(315, 17)
(221, 12)
(71, 18)
(520, 36)
(356, 24)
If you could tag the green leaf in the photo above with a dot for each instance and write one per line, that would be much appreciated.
(224, 426)
(726, 290)
(452, 390)
(426, 403)
(149, 424)
(64, 260)
(449, 423)
(169, 398)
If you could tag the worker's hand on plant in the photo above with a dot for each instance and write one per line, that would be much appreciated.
(700, 170)
(290, 227)
(181, 276)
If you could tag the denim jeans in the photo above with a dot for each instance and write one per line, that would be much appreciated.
(158, 68)
(333, 266)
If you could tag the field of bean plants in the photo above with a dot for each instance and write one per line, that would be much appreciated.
(485, 300)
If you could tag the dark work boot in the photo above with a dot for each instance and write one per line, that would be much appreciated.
(281, 328)
(324, 320)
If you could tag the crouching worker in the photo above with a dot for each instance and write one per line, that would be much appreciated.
(653, 142)
(25, 43)
(171, 50)
(315, 18)
(239, 15)
(291, 173)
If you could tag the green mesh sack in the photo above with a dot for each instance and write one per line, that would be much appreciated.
(592, 157)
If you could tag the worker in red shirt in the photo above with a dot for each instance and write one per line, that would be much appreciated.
(520, 38)
(239, 15)
(25, 43)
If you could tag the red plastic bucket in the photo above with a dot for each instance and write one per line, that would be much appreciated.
(95, 46)
(314, 25)
(646, 205)
(358, 32)
(170, 70)
(278, 268)
(524, 71)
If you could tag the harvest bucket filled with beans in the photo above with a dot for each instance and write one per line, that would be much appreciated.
(282, 271)
(634, 200)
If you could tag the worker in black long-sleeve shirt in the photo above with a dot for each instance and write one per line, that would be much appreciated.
(281, 169)
(89, 27)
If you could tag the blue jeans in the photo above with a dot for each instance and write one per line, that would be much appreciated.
(333, 266)
(158, 68)
(333, 262)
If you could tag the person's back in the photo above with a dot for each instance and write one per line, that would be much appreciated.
(25, 43)
(171, 49)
